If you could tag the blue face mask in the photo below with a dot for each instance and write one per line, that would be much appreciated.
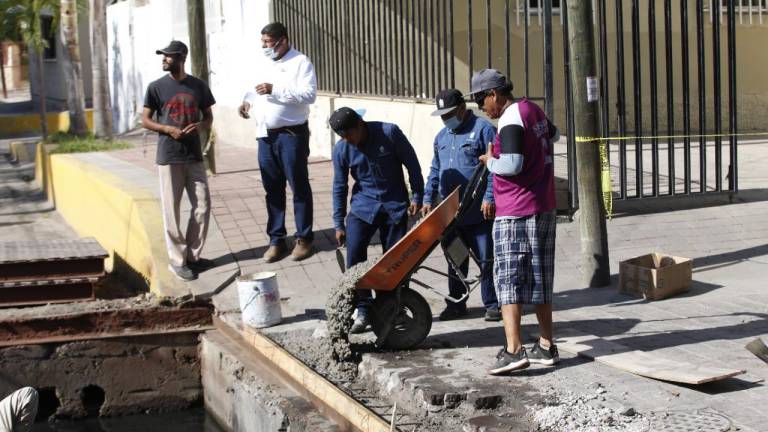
(270, 51)
(452, 123)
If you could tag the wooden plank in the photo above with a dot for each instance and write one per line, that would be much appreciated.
(641, 363)
(310, 384)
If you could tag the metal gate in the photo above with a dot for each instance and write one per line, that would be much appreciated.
(663, 81)
(662, 96)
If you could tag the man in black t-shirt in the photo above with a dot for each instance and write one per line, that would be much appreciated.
(182, 104)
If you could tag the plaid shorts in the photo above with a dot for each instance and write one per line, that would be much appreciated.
(524, 259)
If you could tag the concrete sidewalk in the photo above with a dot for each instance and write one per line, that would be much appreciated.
(727, 307)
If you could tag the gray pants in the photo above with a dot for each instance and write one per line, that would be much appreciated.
(174, 180)
(18, 410)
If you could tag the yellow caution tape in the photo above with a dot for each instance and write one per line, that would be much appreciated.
(605, 165)
(647, 137)
(605, 178)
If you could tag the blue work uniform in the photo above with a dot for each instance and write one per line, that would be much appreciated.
(456, 154)
(380, 197)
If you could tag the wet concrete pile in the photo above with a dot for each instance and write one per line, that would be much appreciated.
(338, 310)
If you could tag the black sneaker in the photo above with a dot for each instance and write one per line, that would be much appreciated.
(546, 357)
(201, 265)
(506, 362)
(360, 325)
(183, 272)
(492, 315)
(452, 313)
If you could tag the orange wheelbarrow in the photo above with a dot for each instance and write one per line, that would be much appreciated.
(401, 317)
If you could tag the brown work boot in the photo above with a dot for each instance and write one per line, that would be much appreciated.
(275, 252)
(302, 250)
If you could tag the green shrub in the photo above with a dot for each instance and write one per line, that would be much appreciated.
(68, 143)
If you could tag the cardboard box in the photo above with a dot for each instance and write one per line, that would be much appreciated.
(655, 276)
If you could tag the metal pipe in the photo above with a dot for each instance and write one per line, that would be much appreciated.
(525, 46)
(414, 58)
(670, 95)
(439, 66)
(548, 80)
(654, 98)
(402, 82)
(638, 98)
(620, 100)
(506, 38)
(717, 96)
(733, 179)
(469, 42)
(571, 142)
(488, 31)
(702, 95)
(453, 52)
(423, 41)
(686, 96)
(433, 73)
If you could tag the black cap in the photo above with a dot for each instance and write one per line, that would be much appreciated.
(488, 79)
(175, 47)
(447, 100)
(343, 119)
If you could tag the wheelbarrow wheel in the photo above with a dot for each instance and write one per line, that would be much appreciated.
(410, 325)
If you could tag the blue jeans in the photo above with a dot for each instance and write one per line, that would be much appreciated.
(359, 234)
(283, 156)
(480, 241)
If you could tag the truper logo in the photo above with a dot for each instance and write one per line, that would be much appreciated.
(408, 252)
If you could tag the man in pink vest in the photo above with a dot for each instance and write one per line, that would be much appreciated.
(524, 227)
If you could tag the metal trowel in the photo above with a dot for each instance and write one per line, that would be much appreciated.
(340, 260)
(758, 348)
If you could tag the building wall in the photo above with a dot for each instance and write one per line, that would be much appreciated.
(56, 86)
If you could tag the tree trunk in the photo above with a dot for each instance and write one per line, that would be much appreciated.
(102, 107)
(198, 50)
(75, 95)
(41, 86)
(2, 70)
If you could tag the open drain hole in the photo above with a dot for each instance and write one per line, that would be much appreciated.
(47, 403)
(92, 398)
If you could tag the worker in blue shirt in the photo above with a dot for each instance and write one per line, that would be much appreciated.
(374, 153)
(457, 146)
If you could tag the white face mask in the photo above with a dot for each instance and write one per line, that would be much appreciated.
(270, 51)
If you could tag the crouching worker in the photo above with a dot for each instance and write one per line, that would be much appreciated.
(374, 153)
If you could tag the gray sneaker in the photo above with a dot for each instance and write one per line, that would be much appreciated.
(506, 362)
(546, 357)
(183, 272)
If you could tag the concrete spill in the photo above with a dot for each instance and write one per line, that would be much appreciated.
(338, 310)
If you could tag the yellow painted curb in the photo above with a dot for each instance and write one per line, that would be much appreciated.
(125, 219)
(20, 124)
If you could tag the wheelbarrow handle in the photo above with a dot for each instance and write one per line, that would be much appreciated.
(475, 186)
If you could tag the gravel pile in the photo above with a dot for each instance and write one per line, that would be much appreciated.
(572, 412)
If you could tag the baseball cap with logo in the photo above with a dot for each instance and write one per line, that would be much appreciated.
(175, 47)
(447, 100)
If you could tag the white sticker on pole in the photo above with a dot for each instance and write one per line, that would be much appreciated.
(592, 89)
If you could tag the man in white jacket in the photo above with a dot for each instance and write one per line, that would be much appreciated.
(286, 88)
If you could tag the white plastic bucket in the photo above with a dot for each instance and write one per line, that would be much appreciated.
(259, 299)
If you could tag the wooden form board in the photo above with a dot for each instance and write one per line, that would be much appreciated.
(641, 363)
(313, 386)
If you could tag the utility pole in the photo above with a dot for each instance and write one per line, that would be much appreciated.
(198, 48)
(594, 237)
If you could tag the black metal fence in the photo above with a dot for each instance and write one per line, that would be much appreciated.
(659, 159)
(660, 69)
